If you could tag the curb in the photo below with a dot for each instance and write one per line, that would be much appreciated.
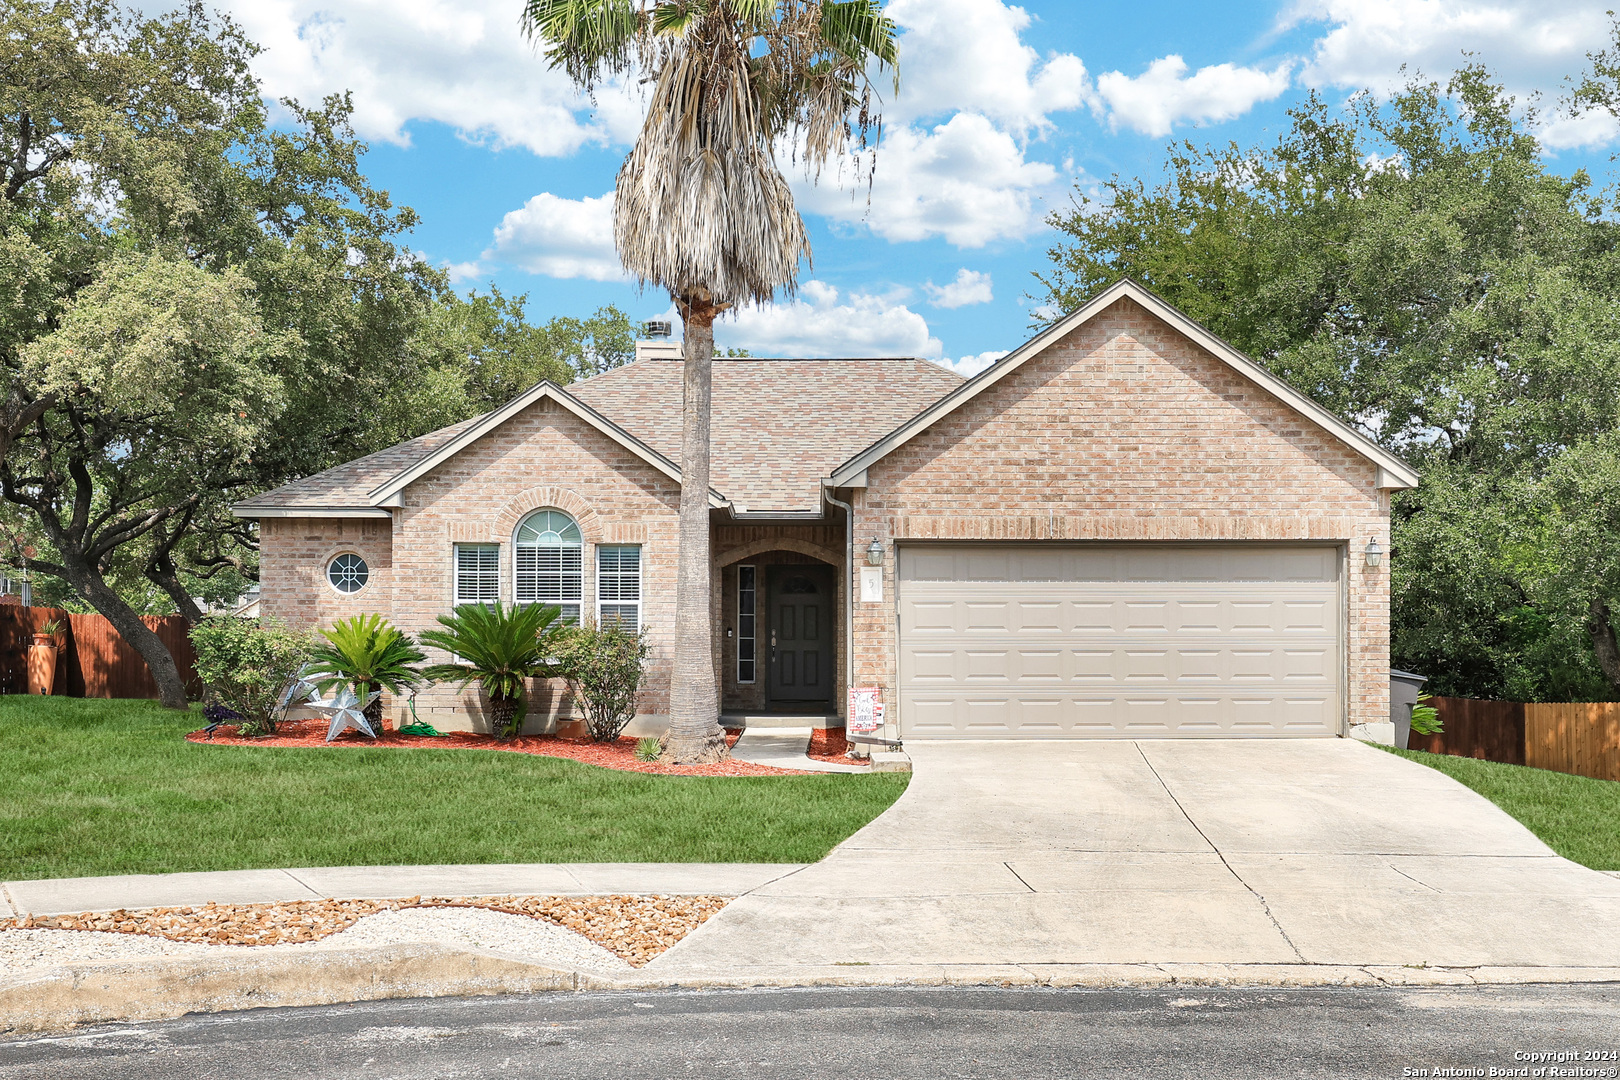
(93, 992)
(89, 992)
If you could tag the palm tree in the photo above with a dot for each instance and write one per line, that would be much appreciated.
(702, 210)
(370, 653)
(500, 648)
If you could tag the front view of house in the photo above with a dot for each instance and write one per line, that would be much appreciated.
(1124, 528)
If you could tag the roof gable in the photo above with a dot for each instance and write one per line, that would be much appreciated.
(1392, 471)
(370, 486)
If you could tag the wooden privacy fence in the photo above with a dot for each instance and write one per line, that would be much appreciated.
(93, 660)
(1582, 738)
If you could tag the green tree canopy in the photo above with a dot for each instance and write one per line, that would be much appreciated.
(181, 284)
(1412, 264)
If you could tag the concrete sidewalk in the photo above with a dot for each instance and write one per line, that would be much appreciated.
(61, 896)
(785, 749)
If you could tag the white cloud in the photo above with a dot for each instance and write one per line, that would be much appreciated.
(561, 238)
(967, 55)
(1532, 46)
(1164, 95)
(1530, 43)
(465, 64)
(968, 366)
(970, 287)
(822, 322)
(966, 181)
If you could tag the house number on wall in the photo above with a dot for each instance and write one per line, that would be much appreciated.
(871, 584)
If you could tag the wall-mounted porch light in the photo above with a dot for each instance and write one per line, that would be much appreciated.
(874, 552)
(1375, 554)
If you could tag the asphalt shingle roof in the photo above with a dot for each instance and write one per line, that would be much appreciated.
(778, 426)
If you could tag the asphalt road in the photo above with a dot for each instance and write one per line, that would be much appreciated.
(924, 1033)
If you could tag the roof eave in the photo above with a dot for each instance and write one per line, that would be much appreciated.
(245, 510)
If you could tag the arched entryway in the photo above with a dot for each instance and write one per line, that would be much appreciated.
(780, 633)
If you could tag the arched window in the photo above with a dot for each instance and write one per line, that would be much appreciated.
(548, 562)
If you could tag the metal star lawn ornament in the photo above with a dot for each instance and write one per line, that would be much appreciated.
(299, 689)
(347, 711)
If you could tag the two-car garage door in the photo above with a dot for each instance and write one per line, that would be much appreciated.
(1038, 640)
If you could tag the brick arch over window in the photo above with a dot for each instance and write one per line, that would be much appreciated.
(781, 543)
(548, 498)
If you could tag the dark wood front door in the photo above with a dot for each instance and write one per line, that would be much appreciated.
(801, 653)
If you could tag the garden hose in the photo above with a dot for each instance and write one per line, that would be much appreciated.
(416, 727)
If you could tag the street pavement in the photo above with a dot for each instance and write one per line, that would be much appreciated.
(861, 1033)
(1023, 858)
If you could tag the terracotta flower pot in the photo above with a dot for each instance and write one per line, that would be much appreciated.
(573, 729)
(42, 664)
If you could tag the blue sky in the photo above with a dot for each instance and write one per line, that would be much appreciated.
(1003, 109)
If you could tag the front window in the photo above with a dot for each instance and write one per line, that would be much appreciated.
(745, 624)
(478, 574)
(549, 567)
(618, 586)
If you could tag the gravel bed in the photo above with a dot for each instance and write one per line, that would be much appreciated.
(605, 934)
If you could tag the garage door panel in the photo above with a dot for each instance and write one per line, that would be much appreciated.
(1053, 641)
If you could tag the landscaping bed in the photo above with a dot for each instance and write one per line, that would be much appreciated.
(615, 755)
(635, 928)
(1576, 816)
(830, 744)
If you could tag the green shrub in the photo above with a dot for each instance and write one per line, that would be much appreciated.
(247, 664)
(499, 647)
(604, 665)
(648, 749)
(1425, 717)
(369, 653)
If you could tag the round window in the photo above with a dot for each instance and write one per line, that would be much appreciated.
(347, 573)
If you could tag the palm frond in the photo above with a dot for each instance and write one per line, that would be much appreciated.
(589, 39)
(366, 649)
(860, 31)
(499, 647)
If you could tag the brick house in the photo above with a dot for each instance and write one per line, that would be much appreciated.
(1123, 527)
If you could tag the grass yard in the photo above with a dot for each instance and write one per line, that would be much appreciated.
(91, 787)
(1576, 816)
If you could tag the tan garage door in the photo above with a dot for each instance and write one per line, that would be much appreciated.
(1033, 640)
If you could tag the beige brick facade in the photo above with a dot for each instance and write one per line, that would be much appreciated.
(1127, 430)
(545, 457)
(1124, 430)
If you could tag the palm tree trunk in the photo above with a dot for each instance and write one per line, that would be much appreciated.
(695, 734)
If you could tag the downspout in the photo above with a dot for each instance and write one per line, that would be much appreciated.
(849, 597)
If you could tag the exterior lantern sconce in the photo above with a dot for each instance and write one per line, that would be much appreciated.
(874, 552)
(1375, 554)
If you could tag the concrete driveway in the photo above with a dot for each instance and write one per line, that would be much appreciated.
(1041, 855)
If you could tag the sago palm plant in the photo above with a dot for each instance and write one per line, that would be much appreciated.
(369, 653)
(499, 647)
(701, 208)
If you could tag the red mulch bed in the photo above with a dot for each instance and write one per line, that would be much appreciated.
(829, 744)
(311, 734)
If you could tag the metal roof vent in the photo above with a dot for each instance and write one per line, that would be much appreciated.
(659, 328)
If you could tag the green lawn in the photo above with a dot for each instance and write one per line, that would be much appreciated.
(110, 787)
(1575, 816)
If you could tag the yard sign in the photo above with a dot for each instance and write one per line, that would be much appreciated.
(865, 708)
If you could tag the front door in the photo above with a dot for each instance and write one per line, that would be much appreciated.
(801, 654)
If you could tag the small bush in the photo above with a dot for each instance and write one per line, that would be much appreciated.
(648, 749)
(604, 665)
(247, 664)
(1425, 717)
